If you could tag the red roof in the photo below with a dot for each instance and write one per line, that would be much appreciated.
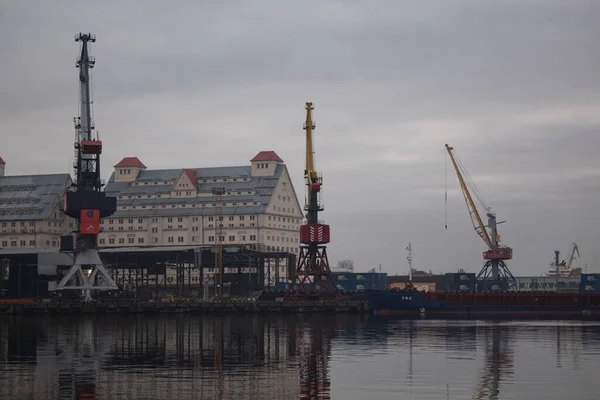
(191, 173)
(266, 156)
(131, 162)
(2, 161)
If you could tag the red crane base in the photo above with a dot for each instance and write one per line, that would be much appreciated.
(500, 253)
(313, 275)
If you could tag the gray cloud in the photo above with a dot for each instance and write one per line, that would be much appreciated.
(512, 85)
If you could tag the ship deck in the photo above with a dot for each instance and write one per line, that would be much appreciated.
(533, 299)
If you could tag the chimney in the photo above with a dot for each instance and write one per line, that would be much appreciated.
(2, 166)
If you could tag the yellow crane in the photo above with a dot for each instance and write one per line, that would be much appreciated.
(313, 179)
(313, 275)
(494, 268)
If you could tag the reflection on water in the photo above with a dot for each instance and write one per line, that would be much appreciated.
(291, 357)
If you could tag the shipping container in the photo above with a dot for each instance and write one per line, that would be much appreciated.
(497, 285)
(589, 288)
(351, 282)
(460, 281)
(590, 279)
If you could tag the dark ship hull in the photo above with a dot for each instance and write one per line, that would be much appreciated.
(485, 304)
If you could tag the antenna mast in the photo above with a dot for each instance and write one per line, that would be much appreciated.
(409, 258)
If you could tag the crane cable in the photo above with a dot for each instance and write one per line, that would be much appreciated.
(446, 188)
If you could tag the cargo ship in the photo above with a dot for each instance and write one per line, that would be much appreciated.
(515, 304)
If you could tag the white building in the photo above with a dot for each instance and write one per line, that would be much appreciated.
(31, 210)
(175, 207)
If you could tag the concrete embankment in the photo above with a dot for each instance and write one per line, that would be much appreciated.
(200, 307)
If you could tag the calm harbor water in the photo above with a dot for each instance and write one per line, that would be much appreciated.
(279, 357)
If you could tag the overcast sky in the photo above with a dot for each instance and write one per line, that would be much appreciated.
(512, 85)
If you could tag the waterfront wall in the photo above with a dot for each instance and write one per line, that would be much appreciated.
(142, 307)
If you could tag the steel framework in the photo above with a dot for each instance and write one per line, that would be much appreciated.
(313, 275)
(86, 202)
(218, 193)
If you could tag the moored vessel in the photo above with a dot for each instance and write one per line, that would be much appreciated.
(484, 304)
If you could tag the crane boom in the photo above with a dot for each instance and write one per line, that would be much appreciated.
(473, 213)
(310, 173)
(575, 250)
(313, 178)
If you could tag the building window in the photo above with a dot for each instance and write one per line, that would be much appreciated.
(23, 243)
(169, 219)
(131, 240)
(210, 218)
(54, 243)
(111, 241)
(5, 243)
(231, 217)
(211, 238)
(141, 240)
(154, 230)
(13, 243)
(170, 239)
(252, 218)
(252, 237)
(140, 221)
(243, 238)
(121, 240)
(101, 241)
(179, 219)
(180, 239)
(231, 238)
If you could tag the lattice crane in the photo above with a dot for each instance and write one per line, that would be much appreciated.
(313, 275)
(494, 268)
(86, 202)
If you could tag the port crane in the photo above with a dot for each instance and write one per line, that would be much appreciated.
(85, 201)
(313, 274)
(495, 267)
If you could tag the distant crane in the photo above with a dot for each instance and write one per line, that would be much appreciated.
(313, 275)
(563, 269)
(494, 268)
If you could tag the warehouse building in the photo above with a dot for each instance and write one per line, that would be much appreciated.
(31, 214)
(258, 209)
(166, 209)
